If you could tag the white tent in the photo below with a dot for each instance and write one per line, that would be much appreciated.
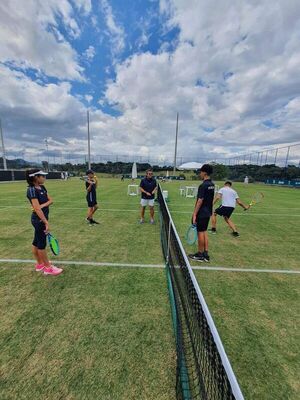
(190, 166)
(134, 171)
(167, 174)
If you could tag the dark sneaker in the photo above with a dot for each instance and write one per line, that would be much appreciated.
(206, 256)
(88, 220)
(213, 231)
(236, 234)
(197, 257)
(94, 222)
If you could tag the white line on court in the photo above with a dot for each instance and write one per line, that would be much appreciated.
(128, 265)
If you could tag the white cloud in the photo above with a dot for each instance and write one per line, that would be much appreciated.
(116, 31)
(90, 52)
(234, 66)
(83, 5)
(37, 111)
(30, 37)
(88, 98)
(245, 59)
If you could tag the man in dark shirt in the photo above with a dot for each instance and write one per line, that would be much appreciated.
(202, 212)
(148, 187)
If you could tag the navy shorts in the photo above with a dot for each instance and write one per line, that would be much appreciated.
(202, 224)
(91, 200)
(39, 239)
(224, 211)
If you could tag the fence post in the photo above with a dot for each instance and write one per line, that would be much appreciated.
(266, 157)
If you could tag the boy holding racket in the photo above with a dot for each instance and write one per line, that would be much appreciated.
(229, 198)
(91, 196)
(40, 201)
(203, 212)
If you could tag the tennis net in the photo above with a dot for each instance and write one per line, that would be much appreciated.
(203, 369)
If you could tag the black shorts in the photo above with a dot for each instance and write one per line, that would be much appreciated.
(202, 224)
(39, 239)
(224, 211)
(91, 200)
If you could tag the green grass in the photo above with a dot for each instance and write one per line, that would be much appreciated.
(257, 315)
(92, 332)
(99, 332)
(89, 334)
(269, 231)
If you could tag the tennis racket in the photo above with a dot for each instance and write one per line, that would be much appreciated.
(191, 235)
(256, 198)
(53, 243)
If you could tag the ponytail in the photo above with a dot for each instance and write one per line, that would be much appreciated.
(31, 179)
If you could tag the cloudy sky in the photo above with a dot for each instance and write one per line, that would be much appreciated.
(229, 67)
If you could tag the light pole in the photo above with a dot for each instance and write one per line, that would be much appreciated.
(89, 139)
(47, 148)
(3, 147)
(176, 138)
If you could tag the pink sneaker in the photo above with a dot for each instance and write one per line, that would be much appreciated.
(52, 270)
(39, 267)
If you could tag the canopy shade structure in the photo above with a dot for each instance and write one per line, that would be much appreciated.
(190, 166)
(134, 171)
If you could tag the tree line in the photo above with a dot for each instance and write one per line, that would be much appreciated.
(221, 172)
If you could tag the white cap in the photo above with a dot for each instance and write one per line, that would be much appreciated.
(39, 173)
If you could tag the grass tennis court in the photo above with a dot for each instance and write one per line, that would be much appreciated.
(106, 332)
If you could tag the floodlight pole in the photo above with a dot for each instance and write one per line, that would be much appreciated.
(89, 139)
(47, 148)
(176, 138)
(3, 148)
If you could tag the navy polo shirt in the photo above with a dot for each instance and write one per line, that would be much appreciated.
(93, 189)
(206, 192)
(39, 193)
(149, 185)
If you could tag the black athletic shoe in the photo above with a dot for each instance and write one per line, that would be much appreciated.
(236, 234)
(213, 231)
(94, 222)
(206, 256)
(197, 257)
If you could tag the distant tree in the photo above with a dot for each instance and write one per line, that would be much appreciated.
(220, 171)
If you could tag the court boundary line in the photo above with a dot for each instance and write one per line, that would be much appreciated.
(159, 266)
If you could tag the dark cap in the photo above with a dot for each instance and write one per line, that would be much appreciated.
(89, 171)
(206, 168)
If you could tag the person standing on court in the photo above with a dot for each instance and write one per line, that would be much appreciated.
(91, 196)
(230, 199)
(40, 202)
(148, 187)
(202, 212)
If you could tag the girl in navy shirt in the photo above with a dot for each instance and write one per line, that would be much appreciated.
(40, 201)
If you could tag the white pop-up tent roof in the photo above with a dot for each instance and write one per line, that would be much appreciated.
(190, 165)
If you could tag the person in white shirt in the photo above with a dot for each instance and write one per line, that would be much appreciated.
(229, 198)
